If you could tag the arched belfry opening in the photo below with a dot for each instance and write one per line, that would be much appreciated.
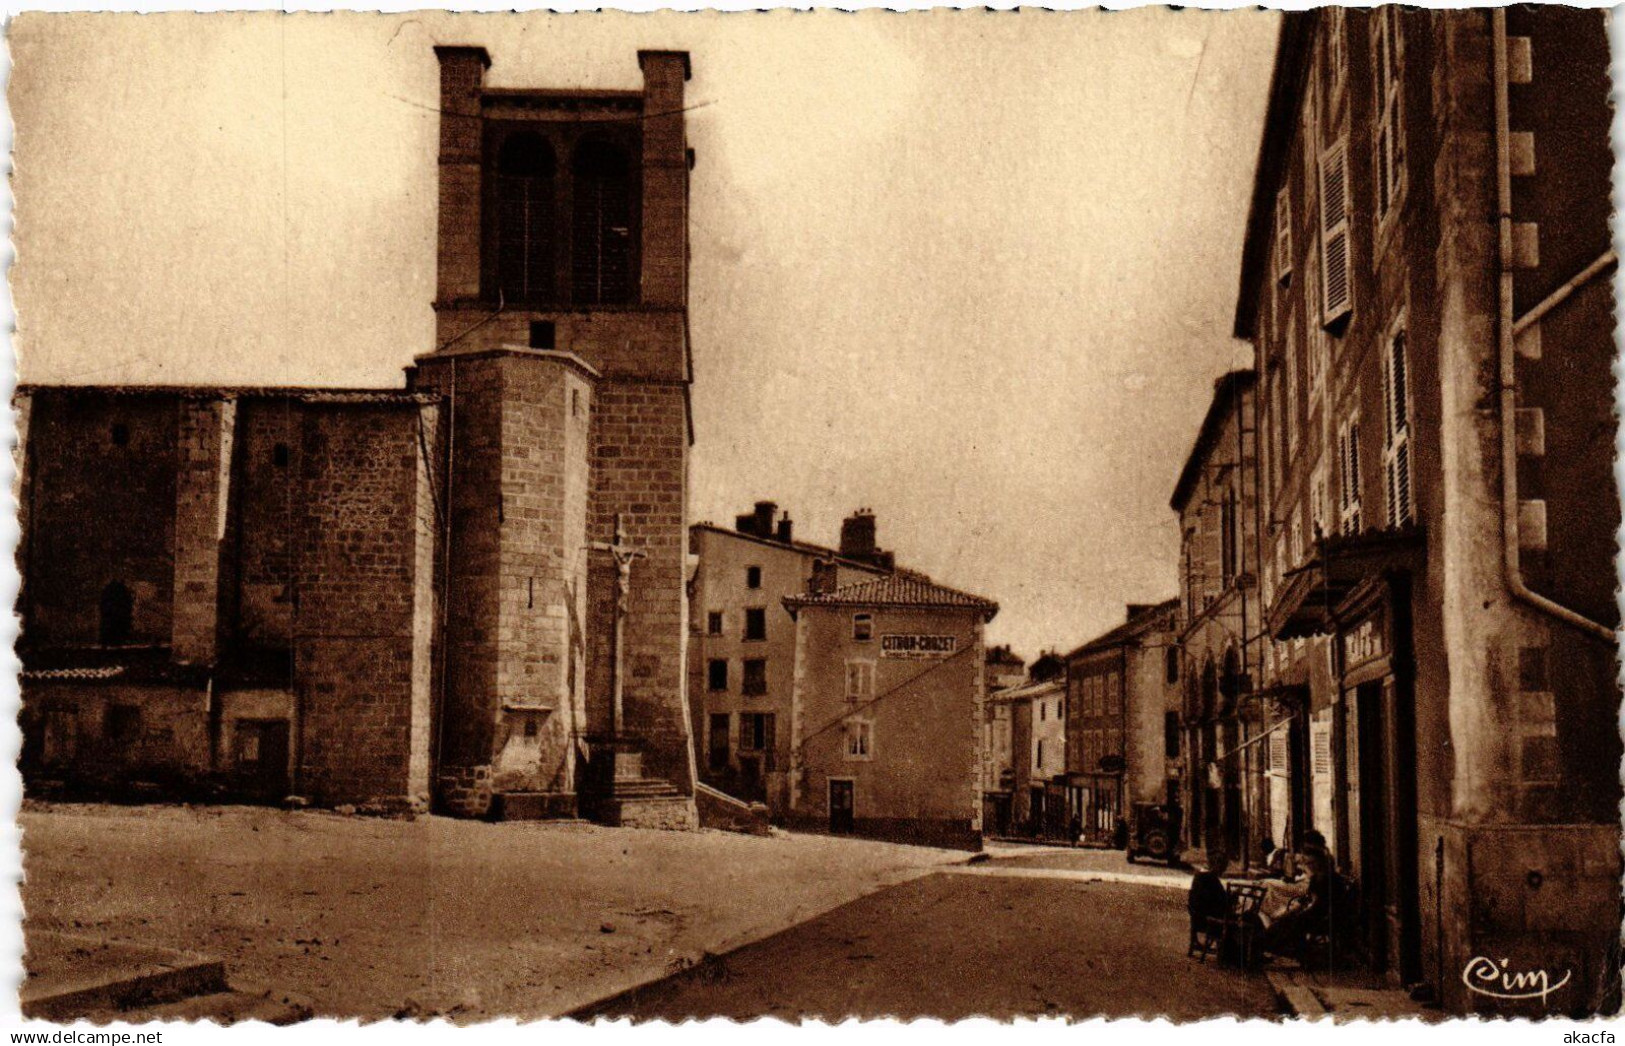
(601, 226)
(526, 226)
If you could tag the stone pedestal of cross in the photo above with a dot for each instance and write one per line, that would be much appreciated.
(628, 764)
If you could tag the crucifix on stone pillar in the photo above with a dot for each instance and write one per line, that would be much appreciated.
(624, 555)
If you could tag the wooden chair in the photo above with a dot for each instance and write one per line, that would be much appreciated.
(1240, 923)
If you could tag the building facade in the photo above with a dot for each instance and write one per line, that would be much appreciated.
(1434, 353)
(493, 558)
(1116, 699)
(1223, 792)
(742, 645)
(887, 711)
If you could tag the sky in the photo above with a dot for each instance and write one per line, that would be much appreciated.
(975, 271)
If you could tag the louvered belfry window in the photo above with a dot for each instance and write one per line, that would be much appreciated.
(1336, 268)
(1396, 456)
(525, 221)
(601, 226)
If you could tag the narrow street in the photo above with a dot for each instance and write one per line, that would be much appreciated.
(993, 940)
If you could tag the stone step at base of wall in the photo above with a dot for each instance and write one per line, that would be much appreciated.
(227, 1007)
(674, 812)
(69, 976)
(536, 806)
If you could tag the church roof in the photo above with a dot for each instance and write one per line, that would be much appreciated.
(895, 591)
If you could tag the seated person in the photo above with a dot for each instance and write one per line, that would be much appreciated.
(1308, 914)
(1208, 898)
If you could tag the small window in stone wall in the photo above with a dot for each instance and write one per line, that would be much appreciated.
(756, 624)
(120, 434)
(542, 334)
(717, 675)
(753, 577)
(754, 683)
(117, 614)
(279, 455)
(122, 724)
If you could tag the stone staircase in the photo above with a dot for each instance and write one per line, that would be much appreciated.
(626, 798)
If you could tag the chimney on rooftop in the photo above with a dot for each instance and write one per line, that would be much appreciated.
(765, 511)
(858, 535)
(785, 529)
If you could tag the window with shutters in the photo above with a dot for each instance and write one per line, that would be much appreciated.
(1396, 453)
(1388, 137)
(1319, 508)
(1336, 269)
(860, 740)
(1278, 750)
(1229, 536)
(1283, 235)
(601, 224)
(756, 736)
(1337, 62)
(863, 627)
(1348, 476)
(860, 681)
(1318, 355)
(1294, 537)
(1320, 748)
(1290, 419)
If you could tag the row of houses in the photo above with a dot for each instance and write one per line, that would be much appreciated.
(1398, 585)
(1396, 621)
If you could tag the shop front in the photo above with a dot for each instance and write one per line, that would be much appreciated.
(1362, 736)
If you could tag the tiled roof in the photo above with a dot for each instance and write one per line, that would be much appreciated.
(895, 591)
(1128, 631)
(1031, 688)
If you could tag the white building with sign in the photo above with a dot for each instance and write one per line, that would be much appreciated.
(886, 711)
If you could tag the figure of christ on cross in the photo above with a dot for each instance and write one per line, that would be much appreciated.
(624, 555)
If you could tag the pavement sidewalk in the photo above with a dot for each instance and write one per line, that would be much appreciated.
(1342, 995)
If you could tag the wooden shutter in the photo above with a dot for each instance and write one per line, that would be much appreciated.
(1397, 449)
(1278, 751)
(1283, 235)
(1336, 268)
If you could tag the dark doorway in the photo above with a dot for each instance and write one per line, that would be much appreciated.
(841, 816)
(1386, 853)
(261, 751)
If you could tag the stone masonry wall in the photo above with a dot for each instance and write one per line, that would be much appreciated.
(359, 616)
(100, 512)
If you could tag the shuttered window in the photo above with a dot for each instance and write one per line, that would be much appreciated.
(1337, 290)
(1388, 138)
(1336, 49)
(1396, 456)
(1278, 751)
(860, 680)
(1283, 235)
(1320, 748)
(1348, 482)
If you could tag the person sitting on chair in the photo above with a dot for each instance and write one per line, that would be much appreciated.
(1208, 899)
(1309, 914)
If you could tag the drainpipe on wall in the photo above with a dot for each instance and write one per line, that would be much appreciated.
(1505, 329)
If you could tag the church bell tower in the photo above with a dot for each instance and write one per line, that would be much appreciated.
(562, 355)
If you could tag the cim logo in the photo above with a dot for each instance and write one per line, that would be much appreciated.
(1498, 981)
